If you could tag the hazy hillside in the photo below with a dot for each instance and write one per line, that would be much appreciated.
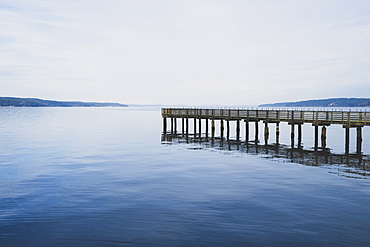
(335, 102)
(33, 102)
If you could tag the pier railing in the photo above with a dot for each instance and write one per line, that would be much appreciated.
(320, 118)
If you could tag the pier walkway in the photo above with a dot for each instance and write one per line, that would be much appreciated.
(323, 118)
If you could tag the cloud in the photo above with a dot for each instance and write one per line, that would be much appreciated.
(183, 52)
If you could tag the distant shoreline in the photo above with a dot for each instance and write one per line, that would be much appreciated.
(35, 102)
(332, 102)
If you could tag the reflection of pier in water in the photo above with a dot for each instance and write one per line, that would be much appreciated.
(349, 165)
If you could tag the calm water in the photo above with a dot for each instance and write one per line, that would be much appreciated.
(107, 177)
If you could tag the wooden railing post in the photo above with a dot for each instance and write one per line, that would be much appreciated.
(348, 119)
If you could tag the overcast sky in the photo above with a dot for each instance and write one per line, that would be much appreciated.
(226, 52)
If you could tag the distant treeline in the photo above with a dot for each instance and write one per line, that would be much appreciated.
(33, 102)
(336, 102)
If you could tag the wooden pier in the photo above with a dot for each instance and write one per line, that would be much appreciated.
(318, 118)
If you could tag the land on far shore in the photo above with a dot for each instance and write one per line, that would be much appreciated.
(333, 102)
(34, 102)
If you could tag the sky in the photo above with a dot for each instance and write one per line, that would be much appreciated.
(185, 52)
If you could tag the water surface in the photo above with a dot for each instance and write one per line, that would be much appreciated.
(104, 177)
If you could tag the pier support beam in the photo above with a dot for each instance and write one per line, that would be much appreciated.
(359, 141)
(323, 137)
(183, 126)
(266, 132)
(172, 125)
(238, 129)
(195, 127)
(164, 125)
(246, 131)
(213, 128)
(200, 127)
(175, 125)
(346, 140)
(292, 135)
(316, 137)
(277, 137)
(206, 127)
(299, 135)
(187, 126)
(222, 128)
(228, 129)
(256, 132)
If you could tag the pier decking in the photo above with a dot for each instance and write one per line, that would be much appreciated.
(323, 118)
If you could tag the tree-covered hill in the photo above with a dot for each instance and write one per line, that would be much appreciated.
(33, 102)
(335, 102)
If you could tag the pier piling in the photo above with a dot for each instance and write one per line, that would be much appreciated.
(316, 137)
(266, 132)
(172, 123)
(256, 132)
(213, 128)
(227, 129)
(238, 130)
(246, 131)
(359, 140)
(222, 128)
(164, 125)
(292, 135)
(187, 126)
(347, 140)
(200, 127)
(175, 125)
(206, 127)
(182, 126)
(323, 137)
(299, 135)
